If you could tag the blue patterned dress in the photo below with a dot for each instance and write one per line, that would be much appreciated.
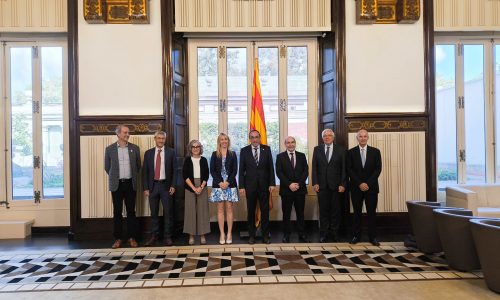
(229, 194)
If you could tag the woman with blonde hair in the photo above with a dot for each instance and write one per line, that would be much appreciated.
(195, 173)
(223, 168)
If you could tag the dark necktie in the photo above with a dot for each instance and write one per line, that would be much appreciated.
(292, 160)
(158, 165)
(328, 153)
(256, 155)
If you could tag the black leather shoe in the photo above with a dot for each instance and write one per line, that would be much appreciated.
(251, 240)
(303, 239)
(374, 242)
(168, 242)
(323, 239)
(354, 240)
(286, 239)
(266, 240)
(334, 239)
(152, 241)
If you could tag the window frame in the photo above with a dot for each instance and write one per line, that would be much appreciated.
(312, 86)
(490, 123)
(48, 203)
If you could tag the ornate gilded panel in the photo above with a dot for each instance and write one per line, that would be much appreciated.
(387, 11)
(94, 11)
(116, 11)
(366, 11)
(408, 11)
(388, 125)
(136, 127)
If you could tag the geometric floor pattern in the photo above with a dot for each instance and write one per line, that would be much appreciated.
(209, 265)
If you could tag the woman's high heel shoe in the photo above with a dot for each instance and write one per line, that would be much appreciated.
(229, 239)
(222, 240)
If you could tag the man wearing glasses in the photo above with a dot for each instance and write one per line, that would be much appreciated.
(256, 181)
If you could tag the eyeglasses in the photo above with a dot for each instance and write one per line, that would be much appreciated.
(195, 147)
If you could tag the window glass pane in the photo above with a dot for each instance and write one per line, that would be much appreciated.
(268, 75)
(21, 123)
(52, 122)
(237, 105)
(208, 95)
(474, 113)
(297, 96)
(446, 122)
(497, 110)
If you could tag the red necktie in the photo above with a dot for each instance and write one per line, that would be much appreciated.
(158, 165)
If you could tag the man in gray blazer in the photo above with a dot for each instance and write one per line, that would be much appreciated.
(122, 162)
(328, 179)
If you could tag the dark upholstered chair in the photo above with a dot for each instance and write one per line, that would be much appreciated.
(423, 225)
(486, 234)
(456, 238)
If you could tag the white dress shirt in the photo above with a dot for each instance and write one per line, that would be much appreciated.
(162, 167)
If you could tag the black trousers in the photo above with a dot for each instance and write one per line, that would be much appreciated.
(298, 201)
(371, 200)
(263, 199)
(329, 212)
(124, 193)
(160, 192)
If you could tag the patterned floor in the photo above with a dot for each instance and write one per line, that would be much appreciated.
(188, 266)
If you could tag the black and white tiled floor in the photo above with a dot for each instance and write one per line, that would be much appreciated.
(218, 265)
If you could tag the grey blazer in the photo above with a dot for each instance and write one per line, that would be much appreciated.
(111, 165)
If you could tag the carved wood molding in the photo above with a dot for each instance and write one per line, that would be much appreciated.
(108, 127)
(116, 11)
(397, 124)
(387, 11)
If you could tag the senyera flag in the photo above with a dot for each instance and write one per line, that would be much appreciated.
(257, 119)
(258, 122)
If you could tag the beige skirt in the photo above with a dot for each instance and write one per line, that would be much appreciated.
(196, 214)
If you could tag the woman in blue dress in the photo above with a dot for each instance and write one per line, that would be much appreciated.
(223, 168)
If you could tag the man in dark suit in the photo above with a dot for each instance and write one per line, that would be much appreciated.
(292, 170)
(122, 162)
(364, 164)
(256, 181)
(159, 184)
(328, 179)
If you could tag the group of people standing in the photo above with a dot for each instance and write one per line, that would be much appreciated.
(332, 166)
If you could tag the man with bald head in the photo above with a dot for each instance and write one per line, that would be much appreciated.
(292, 170)
(328, 179)
(364, 164)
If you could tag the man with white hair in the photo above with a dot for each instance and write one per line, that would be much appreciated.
(364, 164)
(328, 179)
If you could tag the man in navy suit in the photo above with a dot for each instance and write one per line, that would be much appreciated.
(328, 179)
(159, 184)
(256, 181)
(364, 164)
(292, 170)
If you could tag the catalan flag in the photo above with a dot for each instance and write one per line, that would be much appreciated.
(258, 122)
(257, 119)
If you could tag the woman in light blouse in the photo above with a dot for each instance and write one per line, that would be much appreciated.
(223, 168)
(195, 173)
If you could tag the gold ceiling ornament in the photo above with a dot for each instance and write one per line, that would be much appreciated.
(116, 11)
(387, 11)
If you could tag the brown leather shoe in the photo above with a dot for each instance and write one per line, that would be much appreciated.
(117, 244)
(133, 243)
(168, 242)
(152, 241)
